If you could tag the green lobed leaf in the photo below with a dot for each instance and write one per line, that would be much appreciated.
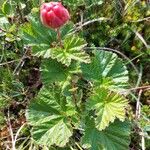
(106, 66)
(58, 133)
(36, 35)
(72, 50)
(53, 71)
(50, 115)
(114, 137)
(108, 106)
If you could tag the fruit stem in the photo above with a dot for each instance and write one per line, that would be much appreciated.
(59, 37)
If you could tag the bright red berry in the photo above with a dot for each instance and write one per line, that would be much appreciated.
(53, 14)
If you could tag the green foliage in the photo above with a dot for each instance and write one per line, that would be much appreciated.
(145, 119)
(40, 37)
(61, 113)
(106, 66)
(79, 96)
(4, 102)
(53, 71)
(42, 43)
(107, 105)
(36, 35)
(7, 8)
(72, 50)
(90, 3)
(1, 119)
(4, 23)
(74, 4)
(114, 137)
(50, 115)
(10, 88)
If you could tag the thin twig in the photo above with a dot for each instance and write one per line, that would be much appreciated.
(9, 62)
(138, 106)
(129, 6)
(17, 134)
(143, 141)
(21, 63)
(79, 26)
(80, 148)
(141, 38)
(143, 19)
(11, 132)
(137, 117)
(81, 16)
(139, 77)
(140, 88)
(138, 56)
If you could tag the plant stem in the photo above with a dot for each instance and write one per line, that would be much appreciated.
(20, 13)
(74, 93)
(40, 2)
(59, 37)
(140, 88)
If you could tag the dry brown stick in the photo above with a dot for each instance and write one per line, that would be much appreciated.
(21, 62)
(9, 62)
(141, 88)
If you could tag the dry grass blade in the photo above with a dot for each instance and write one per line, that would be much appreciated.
(142, 39)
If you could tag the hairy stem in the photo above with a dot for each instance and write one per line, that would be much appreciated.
(74, 95)
(59, 37)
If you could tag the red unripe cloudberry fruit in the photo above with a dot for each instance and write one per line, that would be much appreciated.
(53, 15)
